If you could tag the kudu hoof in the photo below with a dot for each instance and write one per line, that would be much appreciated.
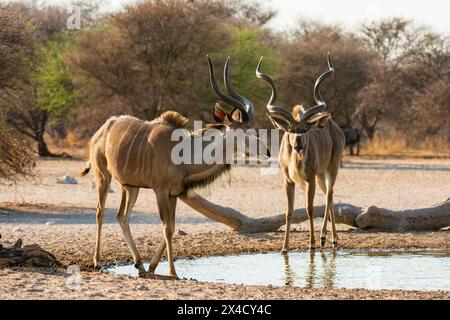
(322, 241)
(140, 267)
(151, 268)
(98, 266)
(335, 244)
(285, 251)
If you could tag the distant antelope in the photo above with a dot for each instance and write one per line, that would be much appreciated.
(138, 154)
(311, 149)
(352, 138)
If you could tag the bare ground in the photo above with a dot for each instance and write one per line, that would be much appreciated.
(61, 218)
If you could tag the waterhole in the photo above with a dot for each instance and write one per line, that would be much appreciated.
(426, 270)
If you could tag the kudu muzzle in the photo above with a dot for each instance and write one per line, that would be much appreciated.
(298, 145)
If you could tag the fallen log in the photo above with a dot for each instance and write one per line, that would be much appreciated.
(428, 219)
(27, 256)
(345, 213)
(424, 219)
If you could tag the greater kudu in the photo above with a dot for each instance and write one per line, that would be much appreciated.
(138, 154)
(311, 149)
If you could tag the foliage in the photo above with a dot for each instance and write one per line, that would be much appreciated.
(413, 62)
(39, 92)
(248, 45)
(149, 58)
(309, 45)
(16, 46)
(16, 57)
(53, 80)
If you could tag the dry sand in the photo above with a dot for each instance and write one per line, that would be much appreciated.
(61, 218)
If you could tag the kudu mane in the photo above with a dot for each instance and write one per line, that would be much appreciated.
(203, 182)
(175, 119)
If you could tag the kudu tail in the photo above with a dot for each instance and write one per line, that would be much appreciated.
(86, 171)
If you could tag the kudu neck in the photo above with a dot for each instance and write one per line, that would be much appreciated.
(210, 151)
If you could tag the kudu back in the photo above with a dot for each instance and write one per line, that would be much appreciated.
(310, 152)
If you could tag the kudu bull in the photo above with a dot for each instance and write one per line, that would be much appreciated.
(311, 149)
(138, 154)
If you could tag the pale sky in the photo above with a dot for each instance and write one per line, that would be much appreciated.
(349, 13)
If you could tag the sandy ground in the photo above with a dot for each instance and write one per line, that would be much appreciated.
(61, 218)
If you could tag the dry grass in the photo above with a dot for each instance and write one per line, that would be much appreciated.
(394, 144)
(72, 145)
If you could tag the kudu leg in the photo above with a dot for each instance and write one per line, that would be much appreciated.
(123, 217)
(157, 256)
(329, 214)
(310, 190)
(290, 196)
(167, 206)
(102, 182)
(330, 181)
(323, 234)
(334, 236)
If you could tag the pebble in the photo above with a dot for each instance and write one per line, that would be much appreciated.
(66, 180)
(180, 232)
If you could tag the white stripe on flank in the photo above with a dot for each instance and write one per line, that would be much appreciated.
(139, 148)
(140, 160)
(132, 144)
(121, 140)
(146, 157)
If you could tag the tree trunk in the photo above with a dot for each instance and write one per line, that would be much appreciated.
(42, 147)
(39, 127)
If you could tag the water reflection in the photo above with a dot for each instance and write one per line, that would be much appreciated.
(329, 271)
(289, 274)
(326, 277)
(311, 271)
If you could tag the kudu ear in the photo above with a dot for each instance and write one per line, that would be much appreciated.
(219, 114)
(279, 123)
(320, 119)
(236, 115)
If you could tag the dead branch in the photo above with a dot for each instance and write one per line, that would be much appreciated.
(433, 218)
(27, 256)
